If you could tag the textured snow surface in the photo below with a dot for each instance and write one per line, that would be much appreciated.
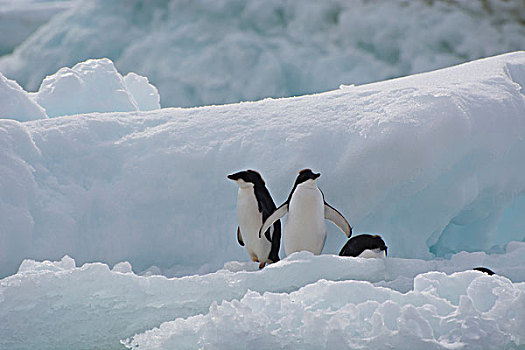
(432, 162)
(216, 51)
(304, 301)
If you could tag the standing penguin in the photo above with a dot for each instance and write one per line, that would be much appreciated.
(254, 205)
(305, 228)
(365, 246)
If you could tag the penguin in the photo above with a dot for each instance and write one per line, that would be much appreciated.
(365, 246)
(305, 228)
(254, 205)
(485, 270)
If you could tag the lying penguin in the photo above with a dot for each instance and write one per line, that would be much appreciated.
(365, 246)
(254, 205)
(484, 270)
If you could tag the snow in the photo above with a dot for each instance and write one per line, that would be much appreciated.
(431, 162)
(90, 86)
(16, 104)
(117, 221)
(214, 52)
(303, 301)
(145, 94)
(95, 86)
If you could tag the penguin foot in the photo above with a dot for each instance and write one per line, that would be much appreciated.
(261, 265)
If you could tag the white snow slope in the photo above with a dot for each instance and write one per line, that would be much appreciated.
(433, 162)
(204, 52)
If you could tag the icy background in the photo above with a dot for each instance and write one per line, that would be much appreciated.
(21, 18)
(219, 51)
(91, 168)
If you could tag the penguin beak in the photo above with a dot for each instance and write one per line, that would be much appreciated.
(231, 177)
(316, 175)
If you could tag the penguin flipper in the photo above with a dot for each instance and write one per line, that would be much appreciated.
(276, 215)
(337, 218)
(269, 234)
(239, 237)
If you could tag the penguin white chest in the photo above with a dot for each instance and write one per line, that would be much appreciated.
(305, 228)
(250, 220)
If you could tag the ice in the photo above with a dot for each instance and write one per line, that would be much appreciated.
(432, 162)
(20, 18)
(16, 104)
(90, 86)
(303, 301)
(145, 94)
(352, 314)
(198, 53)
(18, 192)
(95, 86)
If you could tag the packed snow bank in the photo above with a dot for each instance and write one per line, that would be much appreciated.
(432, 162)
(95, 86)
(18, 190)
(66, 307)
(464, 310)
(16, 104)
(202, 53)
(20, 18)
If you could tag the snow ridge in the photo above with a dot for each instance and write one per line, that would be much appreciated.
(432, 162)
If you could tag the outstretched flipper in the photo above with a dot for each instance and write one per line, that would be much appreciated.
(239, 237)
(334, 216)
(276, 215)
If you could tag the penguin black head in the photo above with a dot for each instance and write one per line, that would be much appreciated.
(357, 244)
(305, 175)
(375, 242)
(247, 176)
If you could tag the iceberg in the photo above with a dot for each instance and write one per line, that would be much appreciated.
(432, 162)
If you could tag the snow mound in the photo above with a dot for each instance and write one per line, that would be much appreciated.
(198, 53)
(16, 104)
(95, 86)
(434, 163)
(145, 94)
(93, 306)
